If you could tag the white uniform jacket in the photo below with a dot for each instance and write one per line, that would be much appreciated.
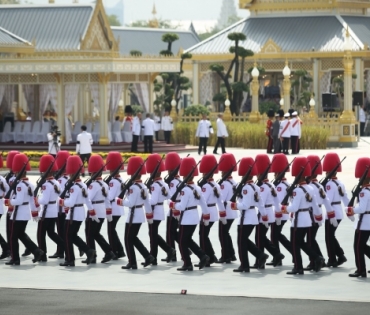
(167, 123)
(100, 203)
(214, 203)
(221, 128)
(159, 193)
(115, 188)
(49, 198)
(269, 202)
(333, 188)
(281, 193)
(136, 203)
(84, 142)
(284, 131)
(295, 127)
(4, 188)
(204, 129)
(172, 189)
(77, 201)
(62, 183)
(363, 208)
(227, 191)
(321, 197)
(157, 123)
(136, 126)
(23, 198)
(148, 127)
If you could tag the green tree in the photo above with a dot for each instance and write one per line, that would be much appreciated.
(301, 87)
(9, 1)
(113, 20)
(161, 24)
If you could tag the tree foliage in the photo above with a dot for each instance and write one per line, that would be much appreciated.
(161, 24)
(113, 20)
(301, 87)
(9, 2)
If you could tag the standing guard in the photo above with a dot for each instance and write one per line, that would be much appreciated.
(268, 131)
(4, 187)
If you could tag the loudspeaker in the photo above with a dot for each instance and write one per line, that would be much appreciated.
(358, 98)
(329, 103)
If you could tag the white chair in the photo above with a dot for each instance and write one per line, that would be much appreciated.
(6, 134)
(18, 126)
(127, 132)
(96, 132)
(76, 131)
(116, 132)
(88, 126)
(25, 135)
(36, 127)
(41, 136)
(109, 132)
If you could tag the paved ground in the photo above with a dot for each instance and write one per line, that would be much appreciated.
(334, 285)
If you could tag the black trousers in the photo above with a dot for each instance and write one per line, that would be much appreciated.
(132, 241)
(220, 142)
(71, 237)
(362, 129)
(332, 244)
(227, 247)
(361, 249)
(156, 240)
(135, 140)
(186, 241)
(203, 144)
(47, 226)
(167, 136)
(311, 240)
(204, 241)
(286, 145)
(277, 237)
(171, 232)
(92, 232)
(113, 238)
(19, 233)
(245, 245)
(294, 144)
(269, 144)
(263, 242)
(148, 144)
(277, 145)
(3, 243)
(8, 228)
(157, 135)
(297, 239)
(85, 158)
(61, 219)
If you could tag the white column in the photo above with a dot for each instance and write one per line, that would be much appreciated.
(103, 110)
(195, 82)
(316, 83)
(359, 83)
(60, 107)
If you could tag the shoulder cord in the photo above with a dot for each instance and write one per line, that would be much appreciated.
(272, 188)
(142, 191)
(321, 191)
(215, 190)
(195, 192)
(339, 187)
(103, 191)
(163, 189)
(84, 194)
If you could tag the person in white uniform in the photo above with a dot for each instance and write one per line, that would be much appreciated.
(203, 131)
(136, 132)
(83, 146)
(221, 134)
(167, 126)
(148, 127)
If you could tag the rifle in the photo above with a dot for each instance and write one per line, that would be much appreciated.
(149, 182)
(70, 182)
(16, 180)
(41, 181)
(289, 191)
(356, 190)
(108, 178)
(183, 183)
(8, 176)
(96, 175)
(240, 186)
(60, 172)
(169, 177)
(309, 178)
(279, 178)
(201, 182)
(130, 181)
(260, 179)
(325, 180)
(227, 174)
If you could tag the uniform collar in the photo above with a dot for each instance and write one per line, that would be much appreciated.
(190, 183)
(284, 179)
(78, 180)
(250, 181)
(50, 178)
(98, 178)
(210, 180)
(158, 178)
(177, 176)
(24, 178)
(367, 185)
(230, 177)
(314, 180)
(265, 180)
(117, 176)
(335, 177)
(138, 181)
(302, 183)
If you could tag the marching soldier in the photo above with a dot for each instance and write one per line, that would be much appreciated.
(284, 133)
(187, 212)
(61, 162)
(4, 188)
(98, 194)
(159, 193)
(303, 201)
(336, 193)
(136, 199)
(20, 206)
(268, 131)
(49, 212)
(114, 213)
(270, 203)
(227, 162)
(280, 165)
(212, 196)
(74, 204)
(247, 203)
(362, 226)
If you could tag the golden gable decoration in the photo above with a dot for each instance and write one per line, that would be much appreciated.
(270, 47)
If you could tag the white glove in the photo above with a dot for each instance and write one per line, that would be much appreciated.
(352, 218)
(150, 221)
(223, 220)
(36, 219)
(278, 221)
(319, 223)
(205, 222)
(266, 224)
(109, 217)
(334, 222)
(95, 218)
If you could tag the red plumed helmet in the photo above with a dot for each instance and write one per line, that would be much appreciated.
(152, 162)
(61, 158)
(95, 163)
(187, 164)
(18, 162)
(361, 165)
(279, 163)
(227, 160)
(298, 163)
(114, 159)
(262, 162)
(207, 163)
(331, 160)
(45, 163)
(314, 159)
(244, 166)
(172, 161)
(73, 164)
(133, 165)
(9, 158)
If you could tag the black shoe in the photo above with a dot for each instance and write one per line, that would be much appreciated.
(81, 253)
(319, 263)
(170, 254)
(174, 259)
(233, 258)
(262, 261)
(43, 258)
(38, 255)
(190, 252)
(333, 264)
(271, 263)
(12, 262)
(154, 263)
(108, 257)
(357, 274)
(203, 262)
(277, 260)
(56, 255)
(5, 254)
(310, 267)
(67, 264)
(295, 272)
(223, 261)
(215, 152)
(240, 269)
(91, 256)
(91, 262)
(148, 260)
(119, 254)
(341, 260)
(255, 266)
(26, 253)
(185, 268)
(129, 266)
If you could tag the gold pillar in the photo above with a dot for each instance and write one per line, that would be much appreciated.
(62, 119)
(255, 116)
(286, 87)
(173, 110)
(227, 112)
(103, 108)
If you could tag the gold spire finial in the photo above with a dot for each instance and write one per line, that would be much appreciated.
(154, 11)
(347, 32)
